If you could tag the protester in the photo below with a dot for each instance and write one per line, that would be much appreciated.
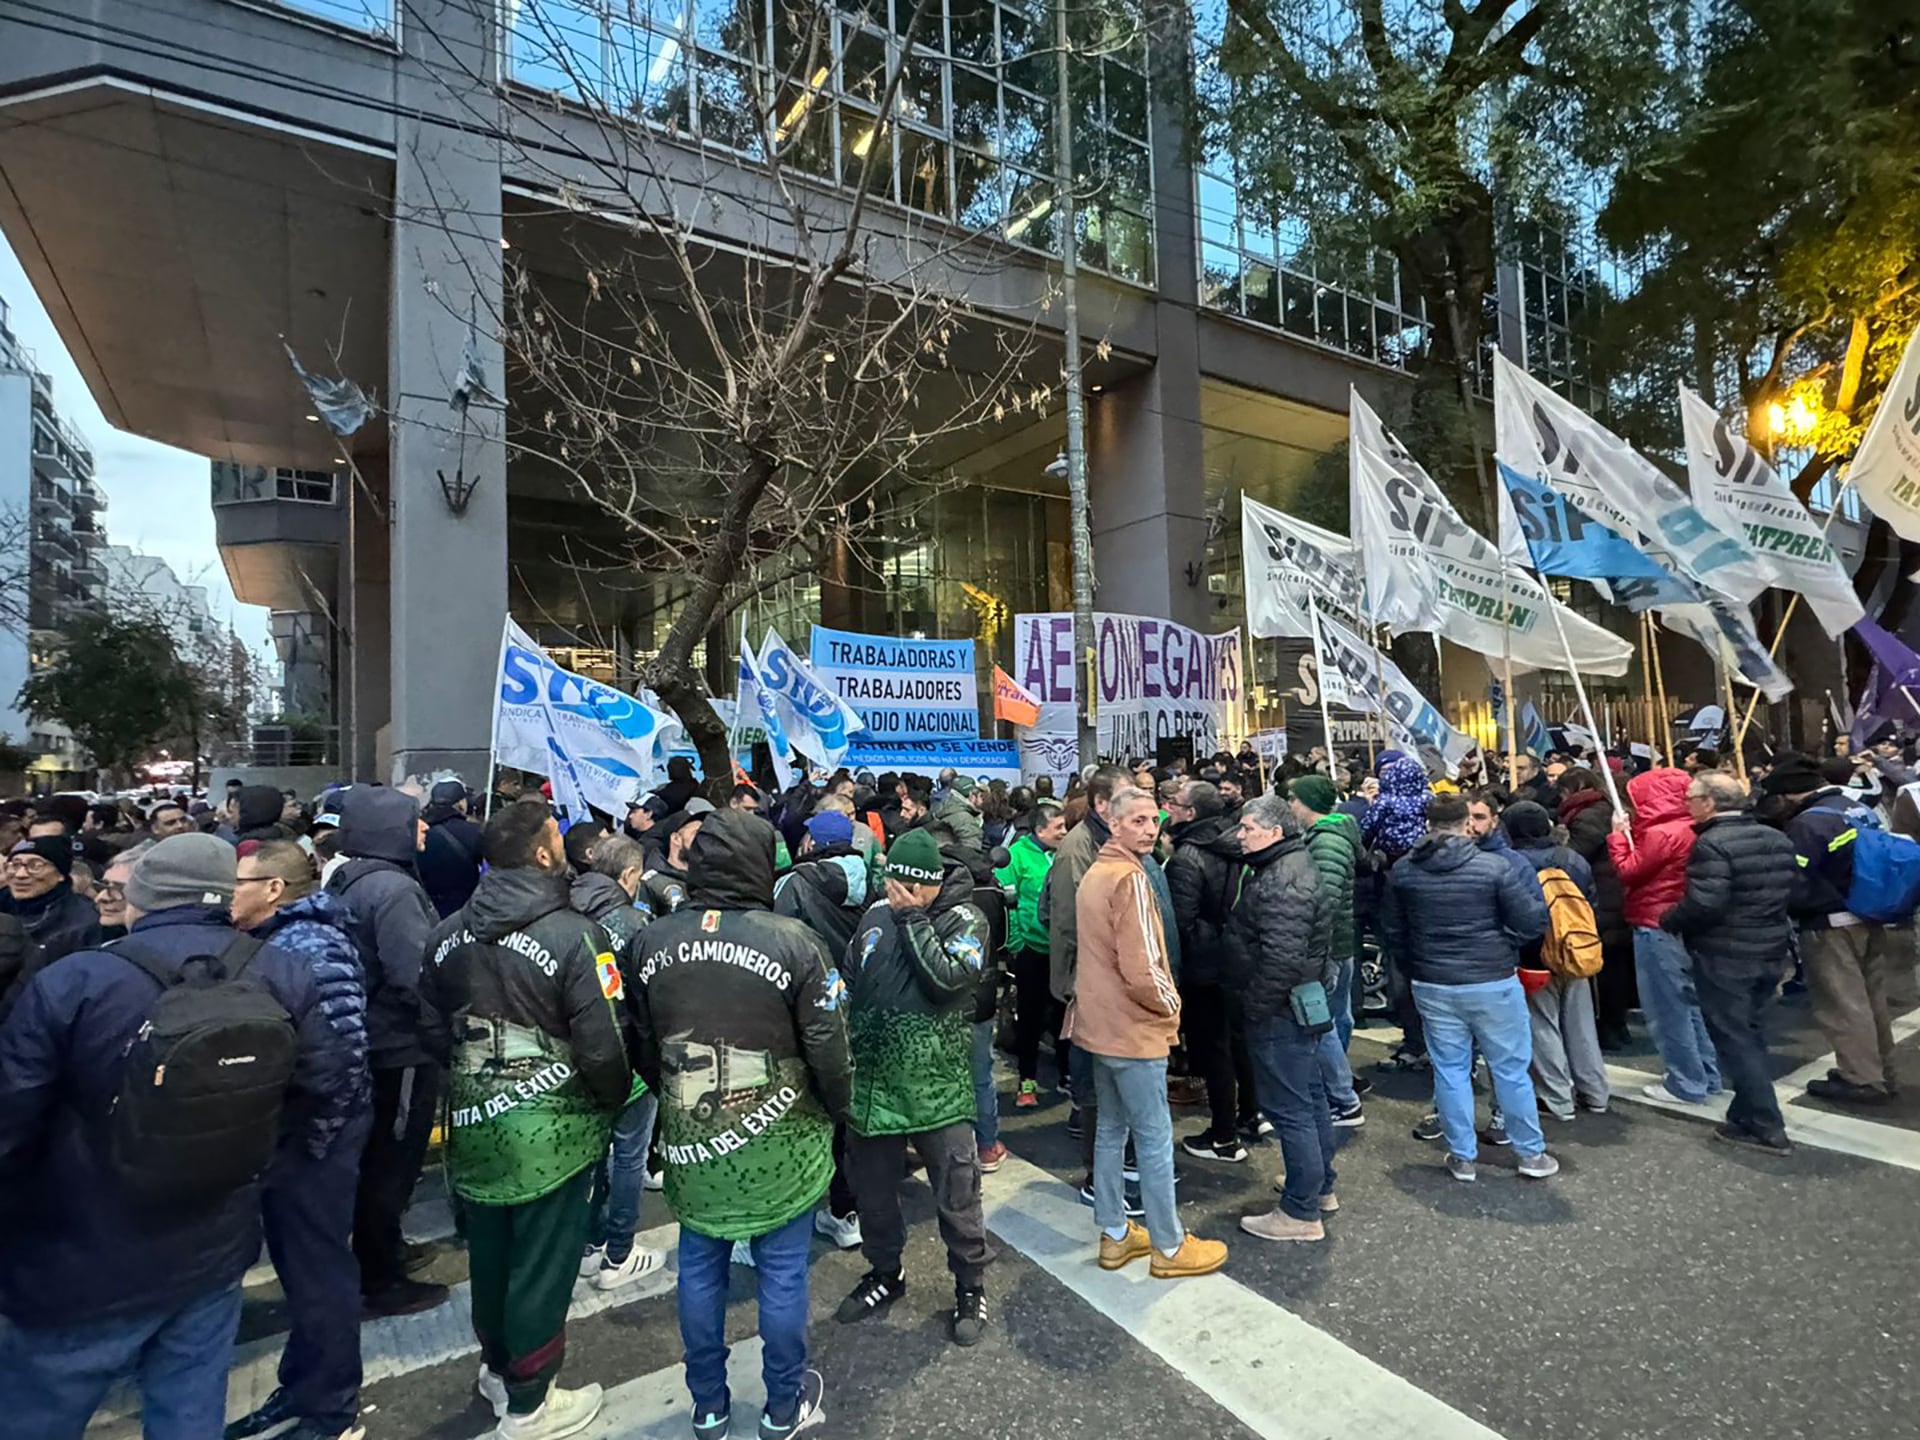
(307, 1205)
(380, 836)
(727, 984)
(121, 1259)
(1124, 1018)
(1458, 916)
(256, 814)
(1734, 920)
(1569, 1071)
(1333, 840)
(1036, 1012)
(167, 819)
(40, 896)
(517, 1001)
(1282, 931)
(1396, 820)
(665, 884)
(1849, 959)
(449, 861)
(1649, 852)
(680, 787)
(959, 812)
(1587, 814)
(1204, 878)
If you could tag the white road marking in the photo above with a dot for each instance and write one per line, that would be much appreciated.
(1905, 1027)
(657, 1406)
(1279, 1375)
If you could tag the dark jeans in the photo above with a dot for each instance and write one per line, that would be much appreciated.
(523, 1260)
(1286, 1068)
(405, 1105)
(840, 1197)
(1036, 1013)
(1614, 990)
(952, 1156)
(1400, 994)
(51, 1381)
(780, 1270)
(1217, 1053)
(1735, 1004)
(1086, 1099)
(307, 1209)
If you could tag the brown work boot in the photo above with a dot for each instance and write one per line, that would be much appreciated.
(1127, 1249)
(1329, 1204)
(1276, 1224)
(1194, 1257)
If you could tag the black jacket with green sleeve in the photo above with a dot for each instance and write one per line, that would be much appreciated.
(517, 999)
(740, 1030)
(913, 976)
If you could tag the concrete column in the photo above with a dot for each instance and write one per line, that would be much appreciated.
(366, 598)
(448, 571)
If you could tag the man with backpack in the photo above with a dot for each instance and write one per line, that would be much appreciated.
(131, 1207)
(1849, 956)
(1569, 1071)
(1733, 918)
(1203, 876)
(380, 835)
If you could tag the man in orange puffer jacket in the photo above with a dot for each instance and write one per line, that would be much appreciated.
(1649, 853)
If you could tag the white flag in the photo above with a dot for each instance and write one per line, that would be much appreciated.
(1364, 671)
(1334, 688)
(1886, 467)
(1555, 443)
(595, 743)
(756, 699)
(817, 721)
(1285, 561)
(1741, 493)
(1422, 560)
(1725, 631)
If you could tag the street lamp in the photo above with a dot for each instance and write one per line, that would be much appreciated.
(1794, 421)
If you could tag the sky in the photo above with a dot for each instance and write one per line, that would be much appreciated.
(157, 496)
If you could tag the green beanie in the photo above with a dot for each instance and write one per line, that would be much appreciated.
(1315, 792)
(914, 859)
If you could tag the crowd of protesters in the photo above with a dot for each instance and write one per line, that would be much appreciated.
(774, 1006)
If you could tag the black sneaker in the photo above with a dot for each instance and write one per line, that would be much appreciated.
(1362, 1086)
(1406, 1062)
(1740, 1135)
(712, 1427)
(969, 1316)
(1351, 1118)
(277, 1410)
(1076, 1127)
(1202, 1148)
(807, 1414)
(1496, 1133)
(872, 1296)
(1845, 1092)
(403, 1297)
(1430, 1128)
(1130, 1200)
(1255, 1130)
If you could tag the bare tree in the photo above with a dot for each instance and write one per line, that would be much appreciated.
(756, 354)
(16, 571)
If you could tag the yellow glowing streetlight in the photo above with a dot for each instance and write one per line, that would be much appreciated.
(1794, 421)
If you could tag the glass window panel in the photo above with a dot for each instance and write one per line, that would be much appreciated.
(970, 28)
(1262, 286)
(1532, 284)
(1296, 303)
(1331, 315)
(1091, 223)
(857, 137)
(921, 92)
(1031, 218)
(807, 119)
(929, 31)
(1128, 172)
(1220, 278)
(1083, 83)
(977, 185)
(1037, 74)
(924, 163)
(557, 45)
(1090, 156)
(652, 76)
(1219, 210)
(1029, 138)
(802, 38)
(1019, 37)
(976, 109)
(1126, 101)
(1292, 233)
(863, 66)
(1130, 245)
(1359, 326)
(736, 26)
(1556, 300)
(729, 108)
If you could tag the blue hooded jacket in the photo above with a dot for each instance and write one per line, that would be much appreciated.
(1398, 817)
(318, 929)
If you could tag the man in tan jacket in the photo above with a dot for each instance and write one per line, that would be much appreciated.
(1125, 1017)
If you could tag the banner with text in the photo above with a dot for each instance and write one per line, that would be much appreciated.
(902, 689)
(983, 760)
(1155, 679)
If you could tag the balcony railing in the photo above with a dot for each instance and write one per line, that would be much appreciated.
(49, 495)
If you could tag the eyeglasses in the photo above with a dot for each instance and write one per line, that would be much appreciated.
(107, 890)
(253, 879)
(29, 865)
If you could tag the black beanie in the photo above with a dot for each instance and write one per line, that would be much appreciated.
(56, 850)
(1527, 822)
(1793, 774)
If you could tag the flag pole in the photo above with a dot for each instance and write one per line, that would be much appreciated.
(1663, 740)
(1506, 661)
(493, 730)
(1586, 709)
(1739, 755)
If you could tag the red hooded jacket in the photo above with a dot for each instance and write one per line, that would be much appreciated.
(1653, 871)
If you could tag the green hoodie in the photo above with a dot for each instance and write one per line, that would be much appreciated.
(1026, 870)
(1334, 843)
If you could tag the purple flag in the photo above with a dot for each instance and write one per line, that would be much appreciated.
(1884, 699)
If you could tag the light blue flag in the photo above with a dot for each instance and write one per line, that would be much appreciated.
(1534, 729)
(819, 721)
(1561, 540)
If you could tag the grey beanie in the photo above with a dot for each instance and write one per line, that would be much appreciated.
(183, 870)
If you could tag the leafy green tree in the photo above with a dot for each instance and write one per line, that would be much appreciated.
(117, 684)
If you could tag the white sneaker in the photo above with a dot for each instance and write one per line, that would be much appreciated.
(640, 1262)
(591, 1259)
(845, 1234)
(656, 1180)
(493, 1390)
(564, 1412)
(743, 1253)
(1658, 1092)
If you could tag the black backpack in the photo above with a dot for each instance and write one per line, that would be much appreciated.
(198, 1113)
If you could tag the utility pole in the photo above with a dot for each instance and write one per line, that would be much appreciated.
(1079, 516)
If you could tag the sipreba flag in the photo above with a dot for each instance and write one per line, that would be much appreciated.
(1012, 701)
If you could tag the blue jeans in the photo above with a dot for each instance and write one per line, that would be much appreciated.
(618, 1181)
(986, 1100)
(1336, 1075)
(1133, 1100)
(1665, 976)
(780, 1268)
(1287, 1071)
(1493, 1016)
(52, 1380)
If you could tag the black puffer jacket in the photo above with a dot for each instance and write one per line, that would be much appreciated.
(449, 862)
(1457, 915)
(1281, 931)
(1588, 816)
(1202, 875)
(1740, 879)
(826, 892)
(59, 922)
(391, 916)
(599, 897)
(260, 807)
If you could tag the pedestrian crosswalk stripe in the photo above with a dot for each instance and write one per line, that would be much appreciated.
(657, 1406)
